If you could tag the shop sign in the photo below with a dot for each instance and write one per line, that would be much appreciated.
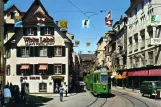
(23, 78)
(45, 77)
(34, 78)
(41, 41)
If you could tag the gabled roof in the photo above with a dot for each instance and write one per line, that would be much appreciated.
(35, 5)
(33, 18)
(11, 7)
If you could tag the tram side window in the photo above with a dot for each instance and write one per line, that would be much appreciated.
(95, 80)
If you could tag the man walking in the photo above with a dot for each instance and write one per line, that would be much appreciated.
(61, 93)
(7, 95)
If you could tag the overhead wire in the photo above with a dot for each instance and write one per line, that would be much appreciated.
(86, 16)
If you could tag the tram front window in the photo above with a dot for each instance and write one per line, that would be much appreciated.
(104, 78)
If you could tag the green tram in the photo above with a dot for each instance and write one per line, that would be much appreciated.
(99, 83)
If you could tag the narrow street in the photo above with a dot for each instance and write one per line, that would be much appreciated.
(119, 98)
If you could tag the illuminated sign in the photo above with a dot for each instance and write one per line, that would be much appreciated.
(41, 41)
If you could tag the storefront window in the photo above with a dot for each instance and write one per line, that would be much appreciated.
(42, 87)
(43, 51)
(58, 51)
(58, 69)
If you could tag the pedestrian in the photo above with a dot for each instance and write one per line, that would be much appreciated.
(57, 88)
(22, 93)
(61, 89)
(7, 96)
(11, 87)
(66, 90)
(26, 93)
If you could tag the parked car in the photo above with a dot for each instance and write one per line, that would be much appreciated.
(150, 87)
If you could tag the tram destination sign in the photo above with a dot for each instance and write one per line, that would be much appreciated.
(39, 41)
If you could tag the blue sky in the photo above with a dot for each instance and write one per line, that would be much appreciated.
(63, 10)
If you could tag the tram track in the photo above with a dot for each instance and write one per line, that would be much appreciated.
(97, 101)
(129, 98)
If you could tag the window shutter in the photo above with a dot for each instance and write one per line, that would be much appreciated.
(63, 50)
(18, 51)
(31, 69)
(25, 31)
(36, 51)
(9, 53)
(50, 69)
(35, 31)
(42, 31)
(53, 51)
(53, 70)
(18, 71)
(50, 51)
(31, 51)
(52, 31)
(63, 69)
(36, 69)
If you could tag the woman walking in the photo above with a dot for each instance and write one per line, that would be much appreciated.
(61, 93)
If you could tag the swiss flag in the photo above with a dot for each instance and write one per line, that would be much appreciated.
(40, 21)
(108, 22)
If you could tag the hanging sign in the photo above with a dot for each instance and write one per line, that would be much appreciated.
(18, 21)
(41, 41)
(63, 24)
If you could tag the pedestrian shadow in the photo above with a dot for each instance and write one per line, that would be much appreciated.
(65, 100)
(37, 101)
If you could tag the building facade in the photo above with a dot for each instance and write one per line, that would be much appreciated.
(143, 58)
(40, 56)
(100, 52)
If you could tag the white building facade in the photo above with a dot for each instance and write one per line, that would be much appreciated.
(39, 56)
(140, 51)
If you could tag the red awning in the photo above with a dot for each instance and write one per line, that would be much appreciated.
(130, 74)
(124, 73)
(155, 72)
(42, 67)
(23, 67)
(141, 73)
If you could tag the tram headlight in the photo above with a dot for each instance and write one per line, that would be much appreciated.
(104, 86)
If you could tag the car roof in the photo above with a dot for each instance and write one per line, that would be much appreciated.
(150, 81)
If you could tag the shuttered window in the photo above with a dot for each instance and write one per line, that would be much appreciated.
(30, 31)
(58, 51)
(42, 87)
(58, 69)
(25, 51)
(43, 51)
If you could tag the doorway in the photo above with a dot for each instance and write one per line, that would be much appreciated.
(56, 81)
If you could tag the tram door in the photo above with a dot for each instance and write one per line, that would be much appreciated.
(109, 84)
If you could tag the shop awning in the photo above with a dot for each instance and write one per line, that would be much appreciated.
(155, 72)
(23, 67)
(118, 76)
(42, 67)
(141, 73)
(57, 77)
(124, 74)
(130, 74)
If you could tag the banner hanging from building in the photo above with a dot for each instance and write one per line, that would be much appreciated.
(77, 42)
(155, 20)
(18, 21)
(88, 43)
(85, 23)
(63, 24)
(40, 21)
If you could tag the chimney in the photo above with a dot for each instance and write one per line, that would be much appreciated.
(57, 23)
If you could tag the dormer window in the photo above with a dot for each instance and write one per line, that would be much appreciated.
(47, 31)
(30, 31)
(12, 15)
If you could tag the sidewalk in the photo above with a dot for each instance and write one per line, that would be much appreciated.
(127, 89)
(53, 95)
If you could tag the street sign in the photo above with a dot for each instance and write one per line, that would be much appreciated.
(155, 41)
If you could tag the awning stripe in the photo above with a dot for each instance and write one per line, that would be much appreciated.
(141, 73)
(130, 74)
(124, 73)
